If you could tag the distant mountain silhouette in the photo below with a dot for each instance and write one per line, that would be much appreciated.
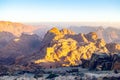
(109, 34)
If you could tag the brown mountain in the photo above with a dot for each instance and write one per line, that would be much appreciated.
(17, 41)
(15, 28)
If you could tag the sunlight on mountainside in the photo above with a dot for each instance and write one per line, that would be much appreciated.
(59, 39)
(69, 50)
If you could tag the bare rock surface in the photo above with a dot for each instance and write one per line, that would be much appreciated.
(68, 48)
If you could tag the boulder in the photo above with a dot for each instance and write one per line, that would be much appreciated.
(3, 70)
(116, 61)
(100, 61)
(105, 61)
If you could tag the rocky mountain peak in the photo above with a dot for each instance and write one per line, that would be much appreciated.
(66, 31)
(54, 30)
(69, 48)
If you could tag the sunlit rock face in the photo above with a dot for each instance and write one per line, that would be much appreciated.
(15, 28)
(68, 48)
(56, 34)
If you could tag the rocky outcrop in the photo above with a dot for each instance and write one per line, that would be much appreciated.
(92, 36)
(116, 61)
(113, 47)
(67, 48)
(104, 61)
(101, 61)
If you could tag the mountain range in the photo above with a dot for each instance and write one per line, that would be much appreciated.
(22, 45)
(109, 34)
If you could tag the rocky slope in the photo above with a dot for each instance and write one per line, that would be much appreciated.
(18, 48)
(15, 28)
(5, 37)
(67, 48)
(16, 42)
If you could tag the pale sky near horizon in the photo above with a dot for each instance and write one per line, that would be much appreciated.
(60, 10)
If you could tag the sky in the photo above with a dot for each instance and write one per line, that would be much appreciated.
(60, 10)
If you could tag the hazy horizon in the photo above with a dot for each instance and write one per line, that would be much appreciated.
(60, 11)
(76, 24)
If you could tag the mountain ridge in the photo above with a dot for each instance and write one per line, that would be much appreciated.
(15, 28)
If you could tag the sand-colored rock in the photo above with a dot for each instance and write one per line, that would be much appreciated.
(66, 31)
(92, 36)
(54, 30)
(69, 48)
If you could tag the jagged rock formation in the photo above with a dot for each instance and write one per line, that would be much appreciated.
(67, 48)
(15, 28)
(104, 62)
(113, 47)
